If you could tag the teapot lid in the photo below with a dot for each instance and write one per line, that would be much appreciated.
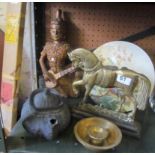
(45, 99)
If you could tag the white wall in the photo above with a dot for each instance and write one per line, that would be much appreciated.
(28, 81)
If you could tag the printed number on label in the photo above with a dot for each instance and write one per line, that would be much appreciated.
(124, 80)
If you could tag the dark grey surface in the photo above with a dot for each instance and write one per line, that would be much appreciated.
(2, 138)
(21, 141)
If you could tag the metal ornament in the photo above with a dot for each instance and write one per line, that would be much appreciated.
(130, 89)
(97, 134)
(54, 57)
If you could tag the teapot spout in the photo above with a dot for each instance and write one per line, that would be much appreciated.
(53, 122)
(54, 128)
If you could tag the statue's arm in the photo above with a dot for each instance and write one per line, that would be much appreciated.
(42, 65)
(64, 55)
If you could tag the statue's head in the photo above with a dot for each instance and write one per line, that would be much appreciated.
(57, 27)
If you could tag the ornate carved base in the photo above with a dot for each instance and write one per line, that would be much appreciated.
(126, 123)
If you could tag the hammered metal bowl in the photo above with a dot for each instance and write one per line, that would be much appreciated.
(97, 134)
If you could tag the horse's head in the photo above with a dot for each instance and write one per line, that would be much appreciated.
(82, 58)
(76, 59)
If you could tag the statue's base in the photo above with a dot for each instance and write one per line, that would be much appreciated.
(127, 125)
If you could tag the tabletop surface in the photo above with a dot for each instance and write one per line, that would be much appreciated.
(21, 141)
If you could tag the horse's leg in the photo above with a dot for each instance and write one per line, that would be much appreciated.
(132, 113)
(75, 84)
(89, 87)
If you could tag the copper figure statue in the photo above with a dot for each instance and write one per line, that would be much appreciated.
(55, 53)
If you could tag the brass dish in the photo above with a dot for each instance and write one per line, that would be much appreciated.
(97, 134)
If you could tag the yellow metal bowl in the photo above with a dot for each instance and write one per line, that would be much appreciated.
(97, 134)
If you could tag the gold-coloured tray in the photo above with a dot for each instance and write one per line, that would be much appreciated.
(82, 131)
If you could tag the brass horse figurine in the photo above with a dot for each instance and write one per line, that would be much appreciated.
(106, 76)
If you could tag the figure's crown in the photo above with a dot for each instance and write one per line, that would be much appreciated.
(59, 20)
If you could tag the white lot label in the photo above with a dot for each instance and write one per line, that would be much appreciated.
(124, 80)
